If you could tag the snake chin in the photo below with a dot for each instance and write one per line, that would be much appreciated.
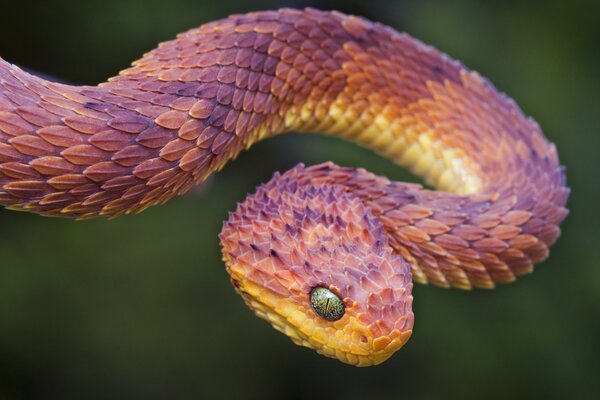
(288, 238)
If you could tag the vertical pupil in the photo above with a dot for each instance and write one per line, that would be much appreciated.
(326, 304)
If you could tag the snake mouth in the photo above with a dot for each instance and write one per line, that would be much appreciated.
(348, 340)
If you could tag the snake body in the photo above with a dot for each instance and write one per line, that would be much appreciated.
(186, 108)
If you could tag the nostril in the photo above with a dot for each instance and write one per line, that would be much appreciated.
(363, 339)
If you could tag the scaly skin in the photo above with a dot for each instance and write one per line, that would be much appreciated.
(186, 108)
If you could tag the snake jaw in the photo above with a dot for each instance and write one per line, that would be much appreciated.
(355, 339)
(288, 238)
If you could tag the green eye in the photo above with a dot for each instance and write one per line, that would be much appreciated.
(326, 304)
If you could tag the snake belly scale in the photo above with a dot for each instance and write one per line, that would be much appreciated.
(357, 240)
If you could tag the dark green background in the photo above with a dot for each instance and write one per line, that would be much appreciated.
(141, 307)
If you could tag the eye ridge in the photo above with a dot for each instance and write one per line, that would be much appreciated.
(326, 304)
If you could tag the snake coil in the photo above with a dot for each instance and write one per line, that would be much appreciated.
(186, 108)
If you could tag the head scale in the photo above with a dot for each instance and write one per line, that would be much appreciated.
(292, 249)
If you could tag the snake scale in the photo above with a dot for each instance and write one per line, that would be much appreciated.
(326, 254)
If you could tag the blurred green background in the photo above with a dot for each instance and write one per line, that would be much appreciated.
(141, 307)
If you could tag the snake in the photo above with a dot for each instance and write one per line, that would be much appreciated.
(326, 254)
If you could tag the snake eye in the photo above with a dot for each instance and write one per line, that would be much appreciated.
(326, 304)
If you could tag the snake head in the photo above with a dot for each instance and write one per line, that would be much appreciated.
(314, 262)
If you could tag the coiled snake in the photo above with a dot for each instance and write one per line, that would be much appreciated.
(326, 254)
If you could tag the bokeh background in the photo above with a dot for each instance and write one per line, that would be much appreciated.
(141, 307)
